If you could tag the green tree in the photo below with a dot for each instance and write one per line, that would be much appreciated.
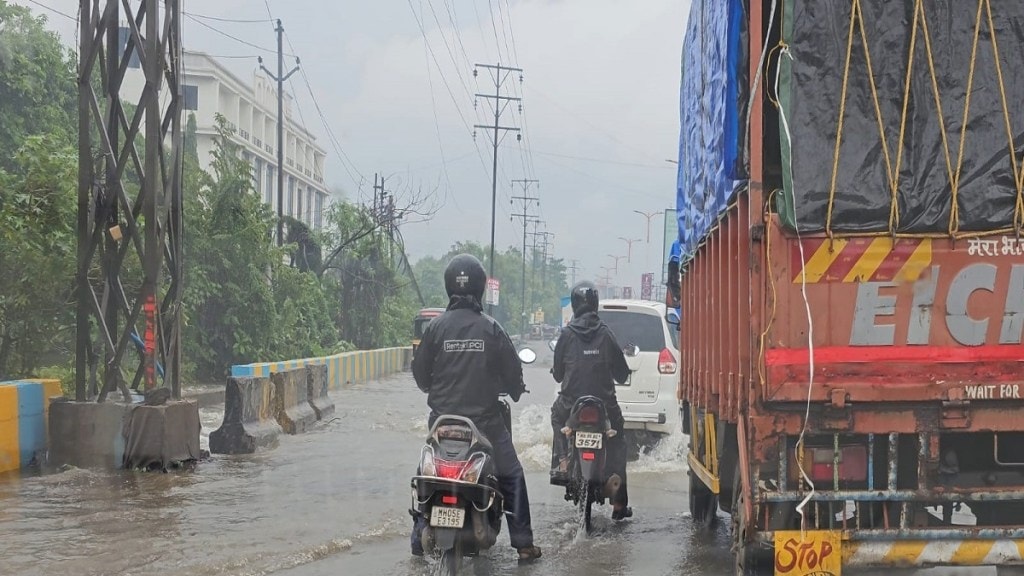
(38, 92)
(37, 255)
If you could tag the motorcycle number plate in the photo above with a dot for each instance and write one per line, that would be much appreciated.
(443, 517)
(591, 440)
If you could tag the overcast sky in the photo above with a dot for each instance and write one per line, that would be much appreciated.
(600, 113)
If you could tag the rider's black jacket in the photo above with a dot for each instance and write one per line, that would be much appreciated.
(588, 360)
(465, 359)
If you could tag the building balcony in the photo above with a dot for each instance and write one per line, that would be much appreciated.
(268, 148)
(244, 134)
(257, 142)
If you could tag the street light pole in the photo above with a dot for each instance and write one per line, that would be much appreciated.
(648, 215)
(629, 242)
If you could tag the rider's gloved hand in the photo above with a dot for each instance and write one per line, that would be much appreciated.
(516, 395)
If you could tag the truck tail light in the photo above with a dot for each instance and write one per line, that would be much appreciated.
(853, 464)
(666, 362)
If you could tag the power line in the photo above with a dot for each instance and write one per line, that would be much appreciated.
(501, 17)
(445, 82)
(437, 127)
(444, 39)
(605, 160)
(494, 26)
(54, 10)
(235, 38)
(219, 19)
(330, 135)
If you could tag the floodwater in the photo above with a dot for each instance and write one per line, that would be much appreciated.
(334, 501)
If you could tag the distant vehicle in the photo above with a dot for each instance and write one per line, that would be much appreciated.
(648, 398)
(419, 324)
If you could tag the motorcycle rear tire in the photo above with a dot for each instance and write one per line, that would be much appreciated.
(451, 560)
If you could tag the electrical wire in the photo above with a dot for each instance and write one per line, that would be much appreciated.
(54, 10)
(219, 19)
(235, 38)
(437, 127)
(810, 322)
(444, 80)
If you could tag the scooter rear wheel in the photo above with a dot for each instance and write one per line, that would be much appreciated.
(451, 561)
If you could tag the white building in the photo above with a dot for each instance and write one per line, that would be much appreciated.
(250, 109)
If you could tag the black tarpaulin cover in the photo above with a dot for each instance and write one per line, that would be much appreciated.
(926, 148)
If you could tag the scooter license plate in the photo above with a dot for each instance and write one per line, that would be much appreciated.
(443, 517)
(590, 440)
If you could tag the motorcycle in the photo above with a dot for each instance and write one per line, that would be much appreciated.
(456, 488)
(587, 429)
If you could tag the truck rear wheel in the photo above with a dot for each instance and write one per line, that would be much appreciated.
(703, 503)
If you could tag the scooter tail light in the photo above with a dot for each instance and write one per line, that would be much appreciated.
(449, 470)
(588, 456)
(666, 362)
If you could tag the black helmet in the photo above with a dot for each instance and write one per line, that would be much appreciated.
(465, 276)
(584, 298)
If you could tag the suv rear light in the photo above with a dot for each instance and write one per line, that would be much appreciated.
(666, 362)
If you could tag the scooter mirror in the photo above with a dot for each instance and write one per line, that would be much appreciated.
(527, 356)
(551, 344)
(631, 350)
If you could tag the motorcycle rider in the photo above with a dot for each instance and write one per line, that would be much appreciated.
(465, 359)
(588, 361)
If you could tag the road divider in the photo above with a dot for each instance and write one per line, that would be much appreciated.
(249, 418)
(292, 407)
(264, 399)
(24, 413)
(319, 399)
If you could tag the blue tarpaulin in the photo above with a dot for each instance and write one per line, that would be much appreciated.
(710, 102)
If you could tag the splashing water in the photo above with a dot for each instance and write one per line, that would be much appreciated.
(532, 437)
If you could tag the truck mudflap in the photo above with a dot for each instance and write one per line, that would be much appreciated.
(817, 551)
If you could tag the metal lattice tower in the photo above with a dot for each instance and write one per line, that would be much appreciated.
(129, 276)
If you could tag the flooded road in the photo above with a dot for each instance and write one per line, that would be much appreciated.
(334, 501)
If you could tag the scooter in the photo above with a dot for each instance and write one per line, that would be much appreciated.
(456, 488)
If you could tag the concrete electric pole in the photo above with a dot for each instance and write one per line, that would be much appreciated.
(280, 77)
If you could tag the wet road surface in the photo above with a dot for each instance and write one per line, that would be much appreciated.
(335, 500)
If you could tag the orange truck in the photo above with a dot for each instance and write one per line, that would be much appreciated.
(851, 208)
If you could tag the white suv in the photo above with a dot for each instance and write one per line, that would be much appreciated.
(648, 398)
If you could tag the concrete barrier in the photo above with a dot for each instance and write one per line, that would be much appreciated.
(249, 417)
(292, 405)
(343, 369)
(24, 411)
(316, 379)
(88, 434)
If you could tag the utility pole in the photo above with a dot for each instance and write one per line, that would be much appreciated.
(527, 218)
(499, 74)
(629, 242)
(280, 77)
(573, 268)
(544, 259)
(378, 199)
(533, 262)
